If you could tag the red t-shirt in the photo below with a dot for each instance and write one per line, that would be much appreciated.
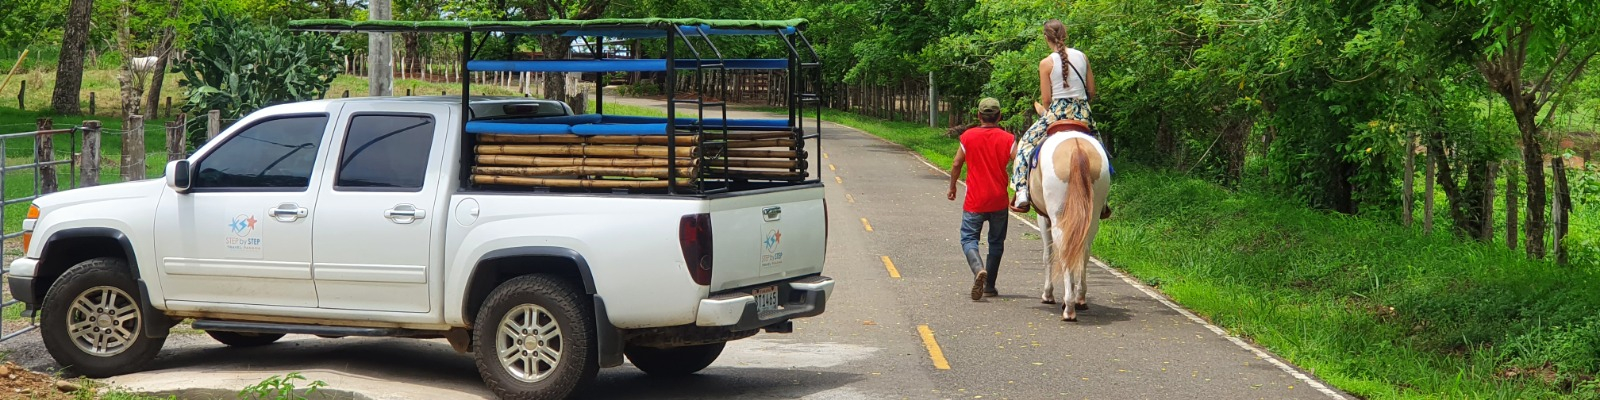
(988, 152)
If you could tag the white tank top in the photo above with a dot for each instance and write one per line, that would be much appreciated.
(1064, 83)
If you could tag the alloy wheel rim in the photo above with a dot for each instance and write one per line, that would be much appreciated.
(103, 321)
(528, 343)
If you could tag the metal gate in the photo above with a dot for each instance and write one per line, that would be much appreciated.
(43, 170)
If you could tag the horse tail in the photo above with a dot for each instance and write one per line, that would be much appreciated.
(1072, 242)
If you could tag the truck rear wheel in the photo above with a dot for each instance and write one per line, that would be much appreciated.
(244, 339)
(535, 339)
(674, 361)
(93, 323)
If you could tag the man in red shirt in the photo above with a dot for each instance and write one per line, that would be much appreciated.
(988, 149)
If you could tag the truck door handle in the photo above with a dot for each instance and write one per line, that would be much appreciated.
(773, 213)
(288, 212)
(404, 214)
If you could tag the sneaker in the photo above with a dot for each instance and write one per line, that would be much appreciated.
(977, 285)
(990, 293)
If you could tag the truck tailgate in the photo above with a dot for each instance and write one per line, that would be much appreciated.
(767, 236)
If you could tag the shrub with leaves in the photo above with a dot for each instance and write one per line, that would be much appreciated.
(237, 66)
(280, 388)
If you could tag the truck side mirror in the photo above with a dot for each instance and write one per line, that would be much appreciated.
(178, 176)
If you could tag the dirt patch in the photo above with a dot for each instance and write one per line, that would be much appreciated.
(16, 382)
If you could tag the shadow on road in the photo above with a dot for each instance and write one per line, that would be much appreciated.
(716, 382)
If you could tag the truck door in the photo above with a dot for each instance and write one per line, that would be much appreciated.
(243, 233)
(380, 209)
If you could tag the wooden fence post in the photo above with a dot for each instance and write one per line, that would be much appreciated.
(44, 152)
(169, 106)
(1427, 194)
(89, 163)
(22, 93)
(213, 124)
(133, 148)
(91, 103)
(1406, 195)
(1511, 206)
(175, 142)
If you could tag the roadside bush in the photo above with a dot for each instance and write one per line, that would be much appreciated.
(237, 66)
(1376, 308)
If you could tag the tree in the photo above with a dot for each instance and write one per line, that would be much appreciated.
(164, 52)
(555, 46)
(69, 68)
(236, 66)
(1532, 51)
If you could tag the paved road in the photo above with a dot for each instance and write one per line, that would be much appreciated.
(873, 343)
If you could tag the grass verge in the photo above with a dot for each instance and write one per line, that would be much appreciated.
(1374, 308)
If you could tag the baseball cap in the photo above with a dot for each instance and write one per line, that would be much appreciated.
(988, 106)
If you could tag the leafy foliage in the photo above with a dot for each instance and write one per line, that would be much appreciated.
(281, 388)
(236, 66)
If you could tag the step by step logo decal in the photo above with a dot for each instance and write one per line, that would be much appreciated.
(772, 249)
(244, 236)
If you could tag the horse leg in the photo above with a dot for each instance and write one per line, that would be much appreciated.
(1049, 266)
(1069, 281)
(1082, 276)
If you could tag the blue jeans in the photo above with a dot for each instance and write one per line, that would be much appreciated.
(972, 225)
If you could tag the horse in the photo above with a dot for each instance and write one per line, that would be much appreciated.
(1069, 187)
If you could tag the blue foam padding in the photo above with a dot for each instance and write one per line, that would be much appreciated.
(709, 122)
(565, 120)
(501, 128)
(620, 130)
(605, 65)
(738, 63)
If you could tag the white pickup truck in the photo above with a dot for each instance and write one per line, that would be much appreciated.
(354, 217)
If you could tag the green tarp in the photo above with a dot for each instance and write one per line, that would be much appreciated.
(553, 26)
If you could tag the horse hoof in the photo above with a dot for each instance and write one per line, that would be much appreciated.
(1069, 319)
(1048, 301)
(1081, 306)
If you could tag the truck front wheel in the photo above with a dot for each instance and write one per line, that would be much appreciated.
(535, 339)
(674, 361)
(93, 323)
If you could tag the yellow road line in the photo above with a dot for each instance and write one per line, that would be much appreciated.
(887, 264)
(934, 352)
(847, 196)
(831, 168)
(864, 223)
(824, 155)
(838, 179)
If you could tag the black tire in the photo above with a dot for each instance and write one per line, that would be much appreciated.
(563, 305)
(97, 281)
(245, 339)
(675, 361)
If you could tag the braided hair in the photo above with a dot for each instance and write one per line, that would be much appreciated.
(1055, 33)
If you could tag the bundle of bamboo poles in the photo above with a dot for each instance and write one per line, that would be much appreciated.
(636, 162)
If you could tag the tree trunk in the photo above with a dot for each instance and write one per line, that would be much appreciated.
(1445, 179)
(1407, 191)
(555, 48)
(132, 81)
(69, 68)
(413, 46)
(164, 52)
(1533, 166)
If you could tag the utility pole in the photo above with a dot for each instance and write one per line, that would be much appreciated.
(380, 50)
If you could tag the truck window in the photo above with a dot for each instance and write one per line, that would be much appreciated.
(276, 154)
(385, 152)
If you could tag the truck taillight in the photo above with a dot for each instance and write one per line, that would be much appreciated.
(694, 234)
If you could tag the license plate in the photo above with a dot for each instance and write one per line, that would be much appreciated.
(766, 298)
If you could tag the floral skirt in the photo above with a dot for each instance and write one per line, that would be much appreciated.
(1028, 144)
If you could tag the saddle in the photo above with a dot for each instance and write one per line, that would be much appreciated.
(1064, 125)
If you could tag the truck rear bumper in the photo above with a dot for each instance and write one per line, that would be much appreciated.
(737, 310)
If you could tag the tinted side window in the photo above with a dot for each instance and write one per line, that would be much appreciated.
(273, 154)
(386, 151)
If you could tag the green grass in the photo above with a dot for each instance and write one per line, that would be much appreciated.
(1374, 308)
